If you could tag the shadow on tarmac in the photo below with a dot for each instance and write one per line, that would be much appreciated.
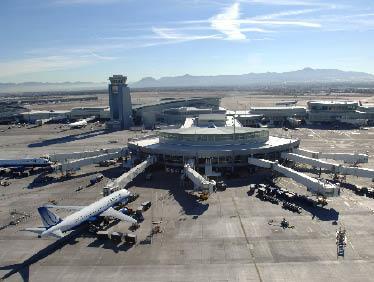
(330, 126)
(112, 172)
(69, 138)
(322, 213)
(172, 183)
(261, 177)
(110, 245)
(23, 268)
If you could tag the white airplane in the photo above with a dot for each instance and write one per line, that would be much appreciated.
(36, 162)
(78, 124)
(55, 226)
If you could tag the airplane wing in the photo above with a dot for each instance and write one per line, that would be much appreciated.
(75, 208)
(118, 215)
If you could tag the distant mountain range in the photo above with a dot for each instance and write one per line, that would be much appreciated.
(306, 75)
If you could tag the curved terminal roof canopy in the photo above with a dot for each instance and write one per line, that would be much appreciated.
(214, 131)
(217, 135)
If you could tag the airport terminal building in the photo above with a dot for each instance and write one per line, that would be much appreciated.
(337, 111)
(223, 147)
(279, 114)
(173, 110)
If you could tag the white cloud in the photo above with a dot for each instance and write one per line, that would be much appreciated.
(173, 34)
(347, 22)
(78, 2)
(100, 57)
(41, 64)
(286, 14)
(281, 23)
(234, 27)
(289, 3)
(228, 23)
(255, 29)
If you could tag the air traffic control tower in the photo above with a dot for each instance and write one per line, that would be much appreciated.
(120, 103)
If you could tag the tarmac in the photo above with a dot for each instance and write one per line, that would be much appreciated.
(233, 236)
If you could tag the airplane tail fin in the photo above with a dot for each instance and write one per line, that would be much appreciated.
(49, 219)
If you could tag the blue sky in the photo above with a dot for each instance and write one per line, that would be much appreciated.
(88, 40)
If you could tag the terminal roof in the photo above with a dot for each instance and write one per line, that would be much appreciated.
(171, 101)
(33, 112)
(279, 108)
(333, 102)
(215, 130)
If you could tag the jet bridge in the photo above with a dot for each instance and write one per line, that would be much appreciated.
(127, 177)
(200, 183)
(64, 157)
(313, 185)
(352, 158)
(75, 165)
(66, 162)
(333, 167)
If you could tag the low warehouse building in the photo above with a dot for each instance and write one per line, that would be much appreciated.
(84, 112)
(33, 116)
(75, 114)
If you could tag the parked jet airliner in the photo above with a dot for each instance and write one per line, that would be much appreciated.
(81, 123)
(78, 124)
(55, 226)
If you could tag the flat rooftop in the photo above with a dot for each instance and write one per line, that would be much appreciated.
(332, 102)
(153, 145)
(278, 108)
(248, 116)
(90, 108)
(208, 117)
(212, 131)
(187, 109)
(172, 101)
(34, 112)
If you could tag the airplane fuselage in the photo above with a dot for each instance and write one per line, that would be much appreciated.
(93, 210)
(37, 162)
(78, 124)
